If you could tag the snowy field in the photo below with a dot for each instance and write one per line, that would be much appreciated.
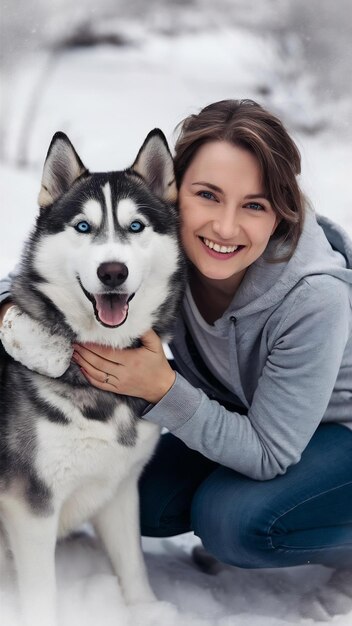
(107, 99)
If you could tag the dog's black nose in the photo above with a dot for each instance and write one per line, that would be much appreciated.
(112, 274)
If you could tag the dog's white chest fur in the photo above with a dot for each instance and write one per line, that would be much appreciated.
(83, 463)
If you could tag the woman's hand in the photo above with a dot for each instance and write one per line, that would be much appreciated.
(140, 372)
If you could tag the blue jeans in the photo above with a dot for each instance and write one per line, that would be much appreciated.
(303, 516)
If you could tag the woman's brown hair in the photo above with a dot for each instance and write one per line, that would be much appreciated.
(246, 124)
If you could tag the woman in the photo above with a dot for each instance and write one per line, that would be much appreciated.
(258, 460)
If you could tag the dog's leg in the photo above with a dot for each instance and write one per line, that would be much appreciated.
(32, 540)
(118, 526)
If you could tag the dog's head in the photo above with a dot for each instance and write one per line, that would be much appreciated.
(105, 251)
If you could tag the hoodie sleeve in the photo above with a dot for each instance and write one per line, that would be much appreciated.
(291, 396)
(5, 285)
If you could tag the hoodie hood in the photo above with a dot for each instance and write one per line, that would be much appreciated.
(323, 248)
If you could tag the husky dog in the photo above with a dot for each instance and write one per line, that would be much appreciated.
(103, 265)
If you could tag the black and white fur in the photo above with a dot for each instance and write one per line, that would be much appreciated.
(70, 452)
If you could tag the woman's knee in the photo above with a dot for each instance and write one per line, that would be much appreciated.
(232, 524)
(300, 517)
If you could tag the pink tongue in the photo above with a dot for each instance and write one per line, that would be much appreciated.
(112, 308)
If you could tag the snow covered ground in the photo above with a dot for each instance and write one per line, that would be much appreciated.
(107, 99)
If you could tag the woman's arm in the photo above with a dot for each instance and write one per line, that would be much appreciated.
(5, 292)
(291, 397)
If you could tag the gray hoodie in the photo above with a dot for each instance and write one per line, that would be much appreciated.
(289, 330)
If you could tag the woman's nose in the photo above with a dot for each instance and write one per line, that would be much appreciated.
(227, 224)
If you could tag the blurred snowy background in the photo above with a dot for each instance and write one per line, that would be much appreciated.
(106, 73)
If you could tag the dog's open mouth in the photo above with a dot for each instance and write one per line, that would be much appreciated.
(110, 309)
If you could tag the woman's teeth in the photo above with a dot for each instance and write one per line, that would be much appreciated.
(217, 248)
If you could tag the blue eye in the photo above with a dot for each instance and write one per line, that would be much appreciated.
(207, 195)
(83, 227)
(255, 206)
(136, 227)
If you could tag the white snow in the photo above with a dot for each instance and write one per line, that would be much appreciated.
(106, 100)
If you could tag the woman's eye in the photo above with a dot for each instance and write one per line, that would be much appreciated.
(136, 227)
(208, 195)
(255, 206)
(83, 227)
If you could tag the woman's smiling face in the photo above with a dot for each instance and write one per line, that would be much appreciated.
(226, 218)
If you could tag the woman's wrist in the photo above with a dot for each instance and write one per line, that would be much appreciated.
(165, 384)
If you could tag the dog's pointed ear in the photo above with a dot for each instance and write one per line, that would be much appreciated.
(155, 164)
(61, 168)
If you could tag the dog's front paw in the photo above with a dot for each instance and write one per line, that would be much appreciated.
(28, 342)
(138, 596)
(158, 612)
